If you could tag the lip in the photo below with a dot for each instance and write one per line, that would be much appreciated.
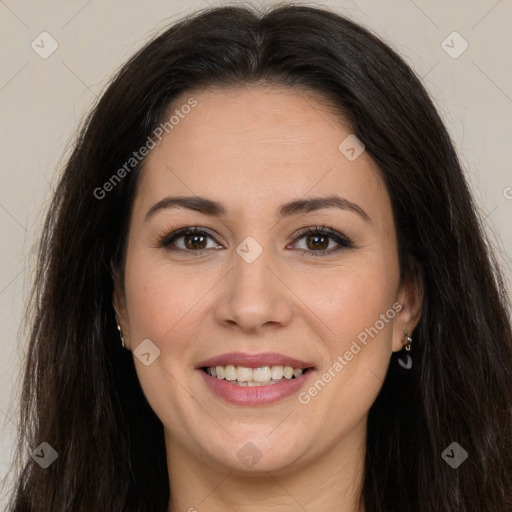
(254, 361)
(256, 395)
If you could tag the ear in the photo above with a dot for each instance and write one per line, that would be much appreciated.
(410, 297)
(119, 304)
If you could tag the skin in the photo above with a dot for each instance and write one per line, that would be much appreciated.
(254, 148)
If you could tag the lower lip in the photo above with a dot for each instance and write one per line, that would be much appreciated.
(255, 395)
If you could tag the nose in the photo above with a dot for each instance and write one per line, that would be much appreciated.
(254, 296)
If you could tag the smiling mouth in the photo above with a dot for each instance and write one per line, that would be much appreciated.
(261, 376)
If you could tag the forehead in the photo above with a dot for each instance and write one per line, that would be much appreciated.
(253, 143)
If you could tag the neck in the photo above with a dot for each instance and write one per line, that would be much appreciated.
(331, 481)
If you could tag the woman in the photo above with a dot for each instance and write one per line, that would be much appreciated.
(262, 285)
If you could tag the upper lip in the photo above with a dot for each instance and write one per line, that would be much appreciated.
(254, 360)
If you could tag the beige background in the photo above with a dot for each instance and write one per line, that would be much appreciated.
(43, 100)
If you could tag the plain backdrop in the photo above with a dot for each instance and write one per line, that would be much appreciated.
(43, 100)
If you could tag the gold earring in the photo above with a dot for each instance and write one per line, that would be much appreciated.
(121, 335)
(408, 341)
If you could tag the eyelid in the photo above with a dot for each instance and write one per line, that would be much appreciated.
(166, 239)
(343, 241)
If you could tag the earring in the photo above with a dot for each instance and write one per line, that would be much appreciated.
(121, 335)
(408, 341)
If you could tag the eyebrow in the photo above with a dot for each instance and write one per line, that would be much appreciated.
(296, 207)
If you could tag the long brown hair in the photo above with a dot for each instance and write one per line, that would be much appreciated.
(80, 391)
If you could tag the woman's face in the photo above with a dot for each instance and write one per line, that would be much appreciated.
(251, 283)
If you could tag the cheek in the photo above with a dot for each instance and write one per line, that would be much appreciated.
(353, 297)
(355, 305)
(161, 304)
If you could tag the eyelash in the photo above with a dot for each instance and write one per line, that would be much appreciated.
(166, 240)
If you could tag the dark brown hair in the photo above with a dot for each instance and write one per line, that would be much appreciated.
(80, 391)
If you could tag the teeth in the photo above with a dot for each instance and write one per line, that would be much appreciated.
(230, 372)
(277, 372)
(219, 370)
(288, 372)
(244, 374)
(263, 375)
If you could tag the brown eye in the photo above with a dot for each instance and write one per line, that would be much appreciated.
(194, 240)
(317, 241)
